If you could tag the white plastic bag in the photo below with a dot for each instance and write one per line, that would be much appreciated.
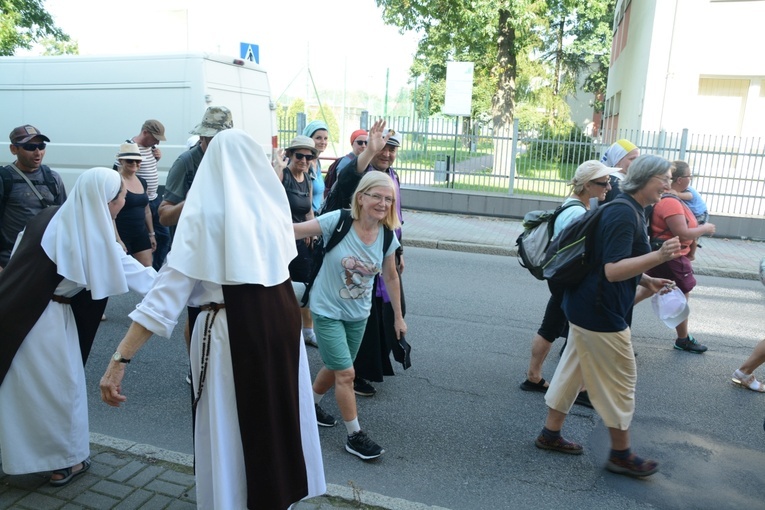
(672, 308)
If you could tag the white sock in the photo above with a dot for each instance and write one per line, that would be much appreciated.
(352, 426)
(308, 333)
(317, 398)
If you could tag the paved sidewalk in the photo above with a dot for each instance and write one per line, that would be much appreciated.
(732, 258)
(125, 475)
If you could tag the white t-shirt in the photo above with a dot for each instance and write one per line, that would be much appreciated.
(343, 288)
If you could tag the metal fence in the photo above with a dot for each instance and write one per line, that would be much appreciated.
(446, 153)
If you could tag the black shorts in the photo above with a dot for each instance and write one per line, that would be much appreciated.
(136, 241)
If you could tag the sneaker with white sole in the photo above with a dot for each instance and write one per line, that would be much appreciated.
(323, 418)
(362, 447)
(362, 388)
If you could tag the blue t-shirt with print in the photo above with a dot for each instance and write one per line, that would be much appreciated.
(343, 288)
(597, 304)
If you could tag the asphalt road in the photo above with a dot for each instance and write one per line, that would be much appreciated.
(458, 432)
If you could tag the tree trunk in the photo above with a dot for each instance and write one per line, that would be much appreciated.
(503, 102)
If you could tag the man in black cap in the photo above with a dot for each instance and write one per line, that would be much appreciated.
(26, 186)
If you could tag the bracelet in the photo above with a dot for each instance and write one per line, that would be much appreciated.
(151, 234)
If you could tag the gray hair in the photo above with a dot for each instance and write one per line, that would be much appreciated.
(642, 170)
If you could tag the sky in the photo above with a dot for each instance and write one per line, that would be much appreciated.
(344, 43)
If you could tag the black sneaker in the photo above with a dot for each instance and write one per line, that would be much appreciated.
(690, 344)
(323, 418)
(362, 388)
(362, 447)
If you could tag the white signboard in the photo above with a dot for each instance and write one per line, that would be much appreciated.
(459, 89)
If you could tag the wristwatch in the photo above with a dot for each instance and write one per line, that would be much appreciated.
(119, 359)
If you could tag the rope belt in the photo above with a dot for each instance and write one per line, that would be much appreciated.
(61, 299)
(214, 307)
(205, 347)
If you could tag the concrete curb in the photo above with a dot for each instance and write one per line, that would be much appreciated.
(352, 495)
(490, 249)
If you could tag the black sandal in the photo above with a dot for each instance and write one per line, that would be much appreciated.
(68, 475)
(534, 386)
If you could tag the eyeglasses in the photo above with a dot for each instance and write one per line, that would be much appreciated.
(130, 162)
(307, 157)
(361, 142)
(604, 184)
(30, 147)
(380, 198)
(666, 180)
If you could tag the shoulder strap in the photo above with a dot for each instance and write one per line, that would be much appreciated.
(387, 239)
(29, 183)
(5, 174)
(344, 225)
(556, 213)
(50, 181)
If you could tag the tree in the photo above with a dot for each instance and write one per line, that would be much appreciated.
(25, 22)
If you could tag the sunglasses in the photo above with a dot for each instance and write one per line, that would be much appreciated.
(604, 184)
(130, 162)
(361, 142)
(307, 157)
(30, 147)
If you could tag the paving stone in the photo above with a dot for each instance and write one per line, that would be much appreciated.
(10, 496)
(126, 472)
(161, 487)
(92, 499)
(135, 500)
(40, 501)
(112, 489)
(145, 476)
(181, 505)
(178, 478)
(157, 502)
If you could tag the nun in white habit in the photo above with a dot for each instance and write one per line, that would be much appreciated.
(52, 294)
(255, 437)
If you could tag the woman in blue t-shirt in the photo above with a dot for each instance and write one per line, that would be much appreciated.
(341, 297)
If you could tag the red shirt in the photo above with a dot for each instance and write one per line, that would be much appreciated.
(671, 206)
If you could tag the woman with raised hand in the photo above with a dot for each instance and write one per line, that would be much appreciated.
(52, 295)
(341, 296)
(255, 438)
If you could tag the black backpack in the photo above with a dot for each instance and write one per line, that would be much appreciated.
(343, 226)
(331, 176)
(10, 177)
(569, 258)
(538, 231)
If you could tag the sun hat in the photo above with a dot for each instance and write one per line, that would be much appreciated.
(129, 151)
(303, 142)
(155, 129)
(590, 170)
(23, 134)
(215, 120)
(672, 307)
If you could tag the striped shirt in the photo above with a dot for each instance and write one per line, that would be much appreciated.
(148, 171)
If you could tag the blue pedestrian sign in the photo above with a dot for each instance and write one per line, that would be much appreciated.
(249, 51)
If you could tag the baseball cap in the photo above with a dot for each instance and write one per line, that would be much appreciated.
(155, 128)
(23, 134)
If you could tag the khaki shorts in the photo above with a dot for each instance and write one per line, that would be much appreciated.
(604, 363)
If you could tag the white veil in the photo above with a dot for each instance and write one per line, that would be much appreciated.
(235, 226)
(80, 238)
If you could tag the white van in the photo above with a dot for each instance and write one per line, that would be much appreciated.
(88, 105)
